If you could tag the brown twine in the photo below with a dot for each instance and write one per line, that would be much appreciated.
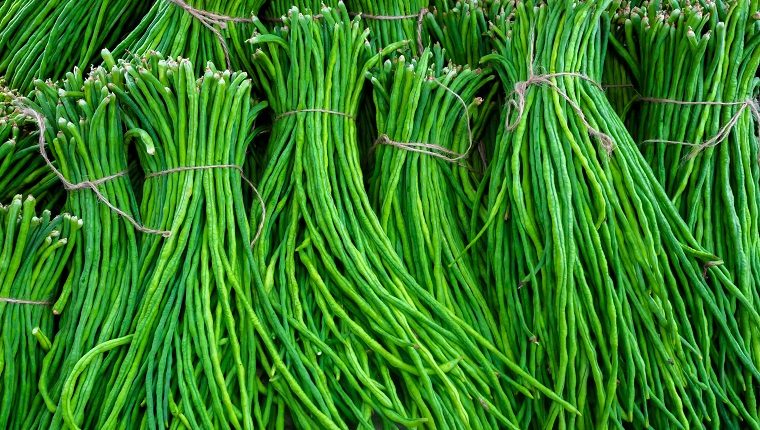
(428, 148)
(722, 133)
(209, 20)
(31, 113)
(412, 146)
(25, 302)
(89, 184)
(521, 88)
(223, 166)
(293, 112)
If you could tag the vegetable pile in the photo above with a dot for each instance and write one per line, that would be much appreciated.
(472, 214)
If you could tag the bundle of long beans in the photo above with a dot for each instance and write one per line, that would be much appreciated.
(22, 170)
(33, 261)
(364, 336)
(173, 31)
(192, 348)
(45, 39)
(426, 176)
(604, 278)
(696, 127)
(84, 133)
(465, 30)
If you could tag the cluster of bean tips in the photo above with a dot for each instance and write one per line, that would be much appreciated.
(174, 32)
(364, 335)
(390, 21)
(462, 28)
(276, 10)
(387, 31)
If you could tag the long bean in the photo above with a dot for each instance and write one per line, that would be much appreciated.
(194, 311)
